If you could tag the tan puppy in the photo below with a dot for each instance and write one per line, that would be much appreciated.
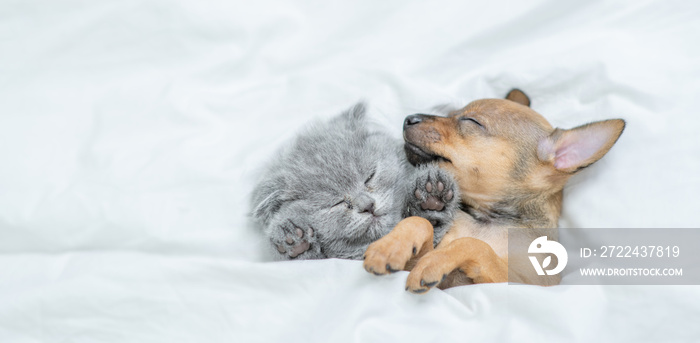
(511, 167)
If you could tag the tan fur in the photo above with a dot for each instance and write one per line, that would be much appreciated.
(511, 168)
(518, 96)
(406, 243)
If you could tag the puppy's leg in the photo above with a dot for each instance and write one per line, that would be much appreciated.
(472, 256)
(435, 197)
(409, 240)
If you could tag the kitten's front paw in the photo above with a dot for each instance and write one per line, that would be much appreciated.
(434, 189)
(434, 197)
(293, 241)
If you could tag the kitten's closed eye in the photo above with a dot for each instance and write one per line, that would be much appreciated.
(344, 201)
(370, 178)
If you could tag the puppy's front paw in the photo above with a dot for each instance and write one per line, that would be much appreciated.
(429, 272)
(293, 241)
(411, 238)
(388, 255)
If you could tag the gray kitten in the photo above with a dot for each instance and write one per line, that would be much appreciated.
(343, 184)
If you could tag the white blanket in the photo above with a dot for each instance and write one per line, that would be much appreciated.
(131, 134)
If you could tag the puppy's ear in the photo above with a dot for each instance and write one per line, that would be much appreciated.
(519, 97)
(577, 148)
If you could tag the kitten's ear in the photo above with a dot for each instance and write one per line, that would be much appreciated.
(355, 116)
(356, 112)
(267, 199)
(577, 148)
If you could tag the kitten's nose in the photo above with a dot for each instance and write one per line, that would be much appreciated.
(369, 208)
(364, 203)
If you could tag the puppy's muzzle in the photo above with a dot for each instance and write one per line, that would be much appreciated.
(416, 136)
(414, 119)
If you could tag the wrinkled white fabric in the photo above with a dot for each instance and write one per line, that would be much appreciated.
(131, 134)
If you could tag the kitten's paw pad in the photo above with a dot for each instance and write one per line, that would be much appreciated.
(294, 241)
(434, 192)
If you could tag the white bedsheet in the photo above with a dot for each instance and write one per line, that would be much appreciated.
(131, 133)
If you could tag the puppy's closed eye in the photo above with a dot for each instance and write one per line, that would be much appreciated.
(466, 119)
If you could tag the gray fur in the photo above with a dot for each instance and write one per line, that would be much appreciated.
(315, 199)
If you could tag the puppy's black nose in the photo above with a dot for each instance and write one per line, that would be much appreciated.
(413, 119)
